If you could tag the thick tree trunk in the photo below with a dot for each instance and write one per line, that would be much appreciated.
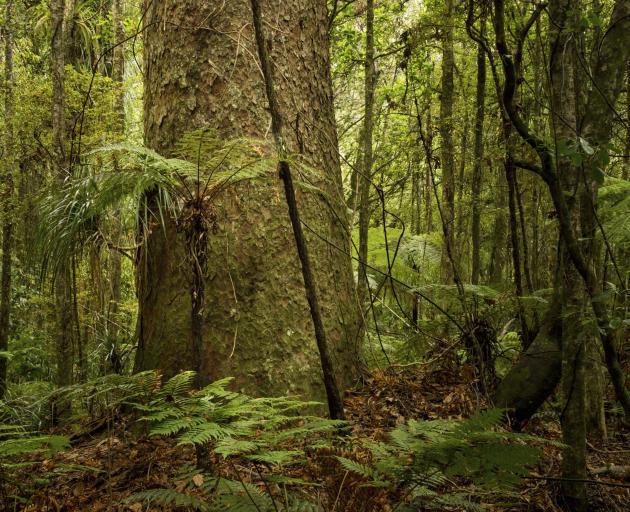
(6, 194)
(256, 322)
(447, 99)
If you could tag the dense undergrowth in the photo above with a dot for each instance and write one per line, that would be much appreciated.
(417, 438)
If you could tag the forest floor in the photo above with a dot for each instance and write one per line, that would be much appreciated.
(111, 460)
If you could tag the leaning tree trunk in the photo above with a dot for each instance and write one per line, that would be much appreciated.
(255, 318)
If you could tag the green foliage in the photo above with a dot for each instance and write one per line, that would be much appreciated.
(255, 429)
(16, 443)
(171, 497)
(120, 177)
(270, 433)
(422, 456)
(615, 212)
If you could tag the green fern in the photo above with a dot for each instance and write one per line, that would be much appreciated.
(266, 432)
(424, 455)
(170, 497)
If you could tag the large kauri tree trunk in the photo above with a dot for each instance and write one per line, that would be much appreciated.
(201, 70)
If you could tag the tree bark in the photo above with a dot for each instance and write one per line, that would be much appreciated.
(6, 194)
(614, 51)
(447, 98)
(480, 107)
(625, 174)
(524, 238)
(499, 235)
(537, 372)
(461, 183)
(63, 276)
(367, 150)
(115, 258)
(256, 322)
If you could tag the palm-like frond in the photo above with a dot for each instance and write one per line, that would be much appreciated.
(120, 177)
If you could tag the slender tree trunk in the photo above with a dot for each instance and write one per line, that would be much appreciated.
(63, 279)
(480, 107)
(524, 238)
(564, 123)
(366, 169)
(499, 238)
(461, 182)
(626, 158)
(428, 188)
(115, 259)
(447, 98)
(6, 194)
(510, 174)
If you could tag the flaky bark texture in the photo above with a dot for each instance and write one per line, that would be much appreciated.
(201, 70)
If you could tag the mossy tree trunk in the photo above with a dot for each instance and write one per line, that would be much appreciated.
(63, 279)
(563, 121)
(447, 154)
(6, 194)
(613, 52)
(201, 71)
(480, 107)
(365, 177)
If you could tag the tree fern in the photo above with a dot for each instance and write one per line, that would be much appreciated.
(78, 214)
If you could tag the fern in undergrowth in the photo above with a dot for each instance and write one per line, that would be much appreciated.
(421, 457)
(269, 434)
(17, 443)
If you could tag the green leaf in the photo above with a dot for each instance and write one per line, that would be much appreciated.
(598, 175)
(586, 147)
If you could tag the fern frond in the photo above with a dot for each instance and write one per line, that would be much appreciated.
(169, 498)
(355, 467)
